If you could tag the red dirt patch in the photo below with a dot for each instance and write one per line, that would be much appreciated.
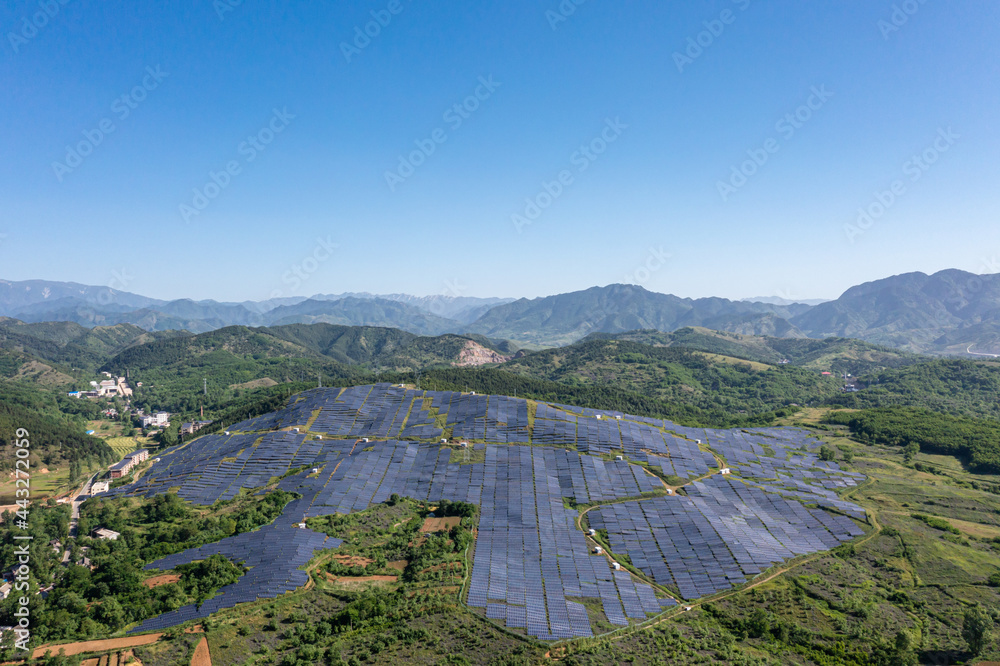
(164, 579)
(96, 646)
(202, 657)
(353, 560)
(360, 579)
(432, 525)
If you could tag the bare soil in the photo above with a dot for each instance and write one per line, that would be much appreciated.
(164, 579)
(440, 524)
(82, 647)
(202, 657)
(352, 560)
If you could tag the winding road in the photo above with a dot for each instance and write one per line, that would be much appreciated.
(968, 350)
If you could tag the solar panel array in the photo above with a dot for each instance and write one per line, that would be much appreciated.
(783, 461)
(532, 566)
(217, 467)
(641, 440)
(273, 554)
(719, 534)
(494, 418)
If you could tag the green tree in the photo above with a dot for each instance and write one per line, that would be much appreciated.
(758, 624)
(905, 649)
(110, 613)
(910, 452)
(976, 628)
(826, 452)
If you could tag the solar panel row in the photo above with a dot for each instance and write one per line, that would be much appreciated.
(531, 564)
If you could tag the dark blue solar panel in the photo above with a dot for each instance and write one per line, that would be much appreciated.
(530, 561)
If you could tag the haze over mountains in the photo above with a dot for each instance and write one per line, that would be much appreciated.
(951, 311)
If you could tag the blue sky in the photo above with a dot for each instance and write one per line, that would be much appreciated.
(838, 98)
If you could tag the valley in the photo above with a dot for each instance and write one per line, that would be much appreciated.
(680, 462)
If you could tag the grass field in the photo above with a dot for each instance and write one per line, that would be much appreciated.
(731, 360)
(45, 483)
(123, 445)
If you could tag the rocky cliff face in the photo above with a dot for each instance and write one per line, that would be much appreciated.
(474, 353)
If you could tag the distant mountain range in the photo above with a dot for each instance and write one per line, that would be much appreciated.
(566, 318)
(949, 312)
(35, 301)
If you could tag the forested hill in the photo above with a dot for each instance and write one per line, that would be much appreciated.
(976, 441)
(951, 386)
(55, 425)
(388, 348)
(838, 355)
(74, 345)
(712, 370)
(679, 374)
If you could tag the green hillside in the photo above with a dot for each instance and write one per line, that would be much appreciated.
(970, 388)
(387, 348)
(678, 374)
(73, 345)
(173, 372)
(56, 426)
(836, 355)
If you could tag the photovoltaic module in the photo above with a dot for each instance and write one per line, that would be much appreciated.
(533, 567)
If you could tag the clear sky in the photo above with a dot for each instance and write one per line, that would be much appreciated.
(309, 114)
